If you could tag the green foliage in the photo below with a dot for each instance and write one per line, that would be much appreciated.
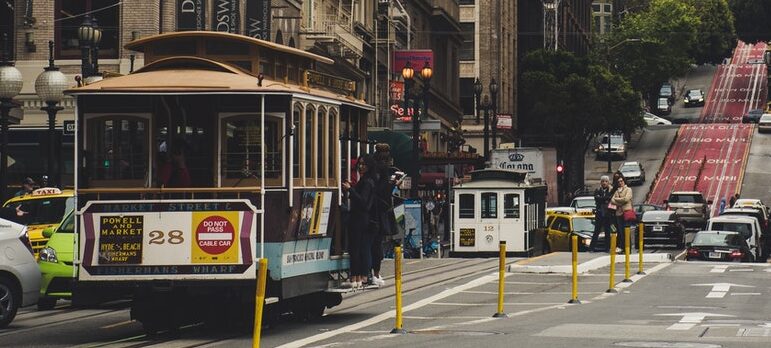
(752, 17)
(716, 35)
(659, 42)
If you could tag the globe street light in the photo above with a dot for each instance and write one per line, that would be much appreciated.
(10, 86)
(408, 74)
(85, 37)
(50, 86)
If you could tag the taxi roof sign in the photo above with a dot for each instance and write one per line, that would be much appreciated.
(45, 191)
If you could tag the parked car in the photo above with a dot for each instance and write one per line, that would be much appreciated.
(617, 146)
(748, 227)
(561, 226)
(752, 116)
(764, 124)
(55, 261)
(633, 172)
(583, 203)
(765, 235)
(640, 209)
(719, 246)
(653, 120)
(45, 208)
(691, 206)
(668, 92)
(694, 97)
(19, 275)
(751, 203)
(663, 107)
(663, 227)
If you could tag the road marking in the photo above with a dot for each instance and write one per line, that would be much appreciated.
(550, 283)
(719, 290)
(745, 294)
(719, 269)
(434, 318)
(689, 320)
(117, 324)
(716, 294)
(515, 293)
(741, 270)
(495, 304)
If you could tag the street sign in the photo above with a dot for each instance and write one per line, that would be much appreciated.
(504, 121)
(68, 127)
(425, 125)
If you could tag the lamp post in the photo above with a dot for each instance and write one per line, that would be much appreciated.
(494, 105)
(477, 96)
(50, 86)
(89, 36)
(95, 50)
(408, 74)
(10, 86)
(486, 108)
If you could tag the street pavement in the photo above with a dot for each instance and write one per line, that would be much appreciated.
(757, 175)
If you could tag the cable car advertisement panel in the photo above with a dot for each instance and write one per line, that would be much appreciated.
(168, 239)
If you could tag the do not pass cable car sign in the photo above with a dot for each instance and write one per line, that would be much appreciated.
(215, 238)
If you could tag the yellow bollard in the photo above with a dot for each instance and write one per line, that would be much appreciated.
(501, 280)
(259, 301)
(627, 241)
(398, 329)
(640, 231)
(612, 249)
(574, 244)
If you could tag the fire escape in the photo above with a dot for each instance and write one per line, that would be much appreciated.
(330, 25)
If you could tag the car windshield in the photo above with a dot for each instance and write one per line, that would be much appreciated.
(716, 239)
(583, 224)
(44, 211)
(629, 168)
(68, 225)
(584, 203)
(694, 93)
(666, 90)
(614, 140)
(663, 103)
(743, 228)
(765, 118)
(686, 198)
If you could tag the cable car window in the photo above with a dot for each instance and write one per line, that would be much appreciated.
(309, 135)
(118, 148)
(296, 140)
(466, 208)
(242, 147)
(321, 150)
(489, 205)
(511, 206)
(332, 141)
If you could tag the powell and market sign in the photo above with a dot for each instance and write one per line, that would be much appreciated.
(191, 15)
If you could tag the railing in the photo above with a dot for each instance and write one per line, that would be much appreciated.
(157, 192)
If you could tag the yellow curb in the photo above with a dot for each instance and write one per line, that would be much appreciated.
(529, 260)
(744, 161)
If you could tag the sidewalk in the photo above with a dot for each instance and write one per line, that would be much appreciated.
(561, 262)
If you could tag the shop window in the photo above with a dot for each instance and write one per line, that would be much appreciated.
(511, 206)
(118, 148)
(466, 207)
(69, 16)
(242, 148)
(490, 205)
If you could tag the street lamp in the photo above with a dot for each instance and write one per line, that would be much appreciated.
(89, 36)
(494, 93)
(10, 86)
(486, 108)
(50, 86)
(408, 74)
(477, 95)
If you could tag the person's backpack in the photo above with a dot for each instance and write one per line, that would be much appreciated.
(382, 212)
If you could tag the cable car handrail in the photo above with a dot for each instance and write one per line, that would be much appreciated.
(245, 189)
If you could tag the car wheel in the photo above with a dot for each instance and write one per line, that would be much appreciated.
(10, 298)
(46, 303)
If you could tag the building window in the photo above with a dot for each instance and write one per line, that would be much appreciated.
(466, 208)
(467, 96)
(69, 17)
(468, 32)
(489, 205)
(7, 26)
(118, 148)
(467, 2)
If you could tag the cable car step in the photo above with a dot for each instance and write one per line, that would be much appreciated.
(340, 290)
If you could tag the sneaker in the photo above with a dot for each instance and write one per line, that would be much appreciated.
(346, 285)
(378, 281)
(356, 285)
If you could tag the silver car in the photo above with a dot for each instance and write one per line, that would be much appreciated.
(691, 206)
(633, 173)
(19, 273)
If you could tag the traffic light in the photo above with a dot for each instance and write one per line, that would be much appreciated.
(560, 168)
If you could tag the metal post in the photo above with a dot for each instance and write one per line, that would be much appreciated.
(51, 109)
(610, 156)
(612, 249)
(640, 243)
(574, 263)
(398, 328)
(5, 110)
(501, 278)
(487, 133)
(259, 301)
(627, 241)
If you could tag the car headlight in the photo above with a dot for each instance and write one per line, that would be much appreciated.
(701, 99)
(685, 100)
(621, 148)
(587, 242)
(48, 254)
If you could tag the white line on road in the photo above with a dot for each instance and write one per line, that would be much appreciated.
(719, 269)
(741, 270)
(745, 294)
(495, 304)
(716, 294)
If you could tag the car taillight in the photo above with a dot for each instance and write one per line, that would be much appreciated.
(693, 252)
(24, 238)
(736, 254)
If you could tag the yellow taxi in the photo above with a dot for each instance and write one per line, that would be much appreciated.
(562, 224)
(45, 207)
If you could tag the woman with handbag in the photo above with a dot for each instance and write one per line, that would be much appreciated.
(622, 199)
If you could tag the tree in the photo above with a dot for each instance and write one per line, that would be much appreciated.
(573, 99)
(752, 19)
(660, 41)
(716, 36)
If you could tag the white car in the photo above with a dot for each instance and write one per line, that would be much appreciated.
(747, 226)
(19, 273)
(653, 120)
(750, 203)
(764, 124)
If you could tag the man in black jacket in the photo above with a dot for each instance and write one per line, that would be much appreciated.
(602, 217)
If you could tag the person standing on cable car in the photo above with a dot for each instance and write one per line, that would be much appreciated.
(360, 234)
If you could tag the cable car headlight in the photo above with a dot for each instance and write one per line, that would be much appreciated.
(489, 238)
(48, 254)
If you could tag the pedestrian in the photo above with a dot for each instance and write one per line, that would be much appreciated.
(602, 215)
(732, 200)
(622, 199)
(383, 208)
(173, 172)
(360, 232)
(27, 186)
(14, 214)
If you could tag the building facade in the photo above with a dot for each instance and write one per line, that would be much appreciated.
(489, 52)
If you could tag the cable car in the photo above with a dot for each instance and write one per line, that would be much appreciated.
(497, 205)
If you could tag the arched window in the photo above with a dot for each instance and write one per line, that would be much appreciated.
(297, 134)
(279, 37)
(309, 139)
(322, 149)
(291, 42)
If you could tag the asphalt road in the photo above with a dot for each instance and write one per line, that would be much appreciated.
(757, 175)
